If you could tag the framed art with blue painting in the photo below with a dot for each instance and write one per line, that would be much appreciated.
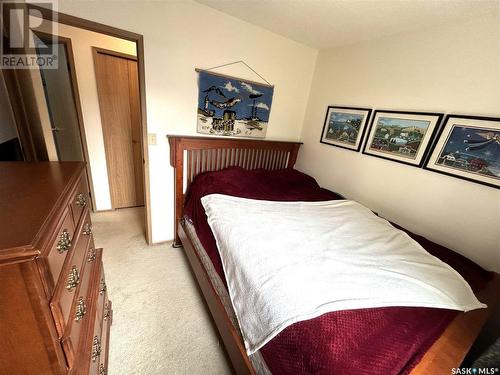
(345, 127)
(468, 147)
(230, 106)
(404, 137)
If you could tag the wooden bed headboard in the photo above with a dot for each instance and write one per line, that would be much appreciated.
(203, 154)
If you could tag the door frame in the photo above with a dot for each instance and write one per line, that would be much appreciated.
(95, 52)
(138, 39)
(76, 98)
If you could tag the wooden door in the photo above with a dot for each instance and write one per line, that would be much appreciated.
(61, 105)
(118, 91)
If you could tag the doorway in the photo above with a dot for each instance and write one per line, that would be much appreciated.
(61, 93)
(62, 108)
(31, 130)
(119, 103)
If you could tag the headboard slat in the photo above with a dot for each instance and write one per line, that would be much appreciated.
(213, 159)
(189, 166)
(242, 157)
(222, 159)
(198, 162)
(251, 159)
(275, 160)
(213, 154)
(245, 158)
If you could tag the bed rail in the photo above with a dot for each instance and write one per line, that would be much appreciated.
(191, 155)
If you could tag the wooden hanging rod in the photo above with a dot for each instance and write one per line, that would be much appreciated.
(198, 70)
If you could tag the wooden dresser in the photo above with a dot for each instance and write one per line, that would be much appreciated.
(55, 315)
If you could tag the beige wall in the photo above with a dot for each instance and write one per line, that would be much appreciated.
(180, 36)
(82, 42)
(453, 69)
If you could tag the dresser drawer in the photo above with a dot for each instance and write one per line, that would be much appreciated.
(72, 274)
(61, 246)
(108, 312)
(80, 200)
(102, 295)
(96, 360)
(106, 327)
(83, 310)
(96, 349)
(105, 314)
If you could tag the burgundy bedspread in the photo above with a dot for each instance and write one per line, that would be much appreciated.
(366, 341)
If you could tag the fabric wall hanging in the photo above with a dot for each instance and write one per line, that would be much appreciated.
(231, 106)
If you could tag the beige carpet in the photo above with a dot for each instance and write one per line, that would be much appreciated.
(160, 324)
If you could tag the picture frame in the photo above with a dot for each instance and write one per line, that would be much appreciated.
(400, 136)
(345, 127)
(468, 147)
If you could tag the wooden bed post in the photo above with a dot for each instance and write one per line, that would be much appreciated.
(176, 161)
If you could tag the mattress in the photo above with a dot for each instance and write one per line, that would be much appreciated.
(366, 341)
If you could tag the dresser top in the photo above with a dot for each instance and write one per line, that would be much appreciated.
(30, 193)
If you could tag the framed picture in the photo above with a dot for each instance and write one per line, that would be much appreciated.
(404, 137)
(345, 127)
(468, 147)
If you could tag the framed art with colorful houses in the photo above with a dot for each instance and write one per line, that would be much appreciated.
(404, 137)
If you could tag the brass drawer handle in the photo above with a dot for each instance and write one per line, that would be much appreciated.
(81, 309)
(64, 242)
(81, 200)
(107, 311)
(73, 278)
(102, 370)
(92, 255)
(103, 288)
(87, 229)
(96, 349)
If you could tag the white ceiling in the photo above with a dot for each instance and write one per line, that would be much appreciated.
(331, 23)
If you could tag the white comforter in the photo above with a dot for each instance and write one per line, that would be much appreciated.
(291, 261)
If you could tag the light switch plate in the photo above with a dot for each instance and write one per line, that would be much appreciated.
(152, 139)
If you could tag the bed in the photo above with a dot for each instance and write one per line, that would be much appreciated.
(193, 156)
